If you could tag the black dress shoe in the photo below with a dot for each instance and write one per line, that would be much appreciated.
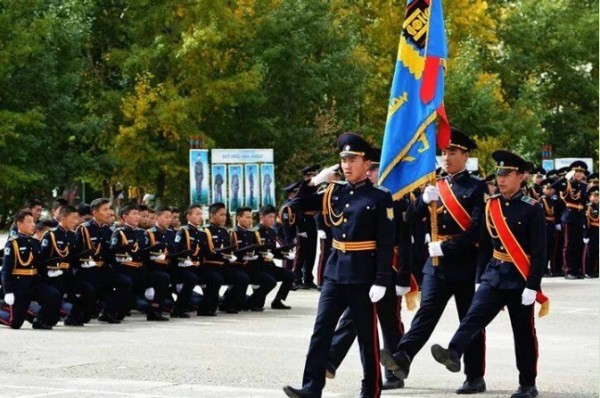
(278, 305)
(72, 322)
(570, 277)
(298, 392)
(156, 316)
(180, 315)
(472, 386)
(392, 384)
(294, 287)
(525, 392)
(257, 309)
(310, 285)
(41, 325)
(108, 319)
(398, 364)
(446, 357)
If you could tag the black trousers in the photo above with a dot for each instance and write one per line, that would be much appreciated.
(47, 296)
(265, 283)
(392, 329)
(211, 281)
(285, 276)
(143, 278)
(79, 292)
(556, 261)
(434, 298)
(325, 251)
(334, 300)
(187, 278)
(487, 303)
(306, 252)
(573, 248)
(238, 281)
(591, 253)
(109, 285)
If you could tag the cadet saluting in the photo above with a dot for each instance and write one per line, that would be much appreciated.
(361, 217)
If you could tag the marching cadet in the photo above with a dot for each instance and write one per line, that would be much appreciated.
(220, 256)
(359, 269)
(129, 247)
(57, 253)
(591, 235)
(94, 236)
(460, 204)
(267, 236)
(548, 202)
(21, 282)
(510, 265)
(573, 193)
(306, 244)
(286, 225)
(389, 307)
(191, 244)
(245, 243)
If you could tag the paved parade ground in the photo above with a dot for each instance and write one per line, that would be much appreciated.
(255, 354)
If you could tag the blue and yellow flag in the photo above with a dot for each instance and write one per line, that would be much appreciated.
(416, 101)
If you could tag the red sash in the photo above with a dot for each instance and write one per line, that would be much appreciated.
(450, 202)
(514, 249)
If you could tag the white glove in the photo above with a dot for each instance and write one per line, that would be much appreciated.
(269, 256)
(427, 238)
(321, 234)
(9, 298)
(160, 257)
(430, 194)
(376, 293)
(54, 273)
(149, 294)
(291, 255)
(88, 264)
(586, 240)
(303, 234)
(528, 296)
(324, 175)
(477, 286)
(231, 259)
(570, 174)
(186, 263)
(250, 258)
(558, 227)
(402, 290)
(435, 249)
